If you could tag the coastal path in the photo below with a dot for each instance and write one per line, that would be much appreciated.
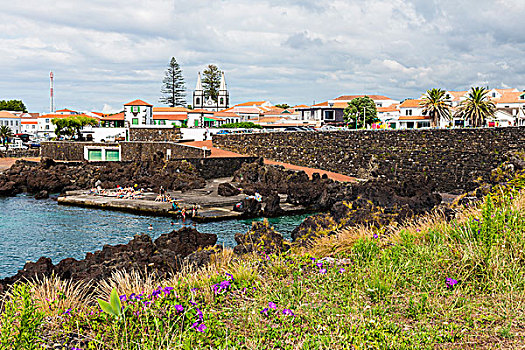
(220, 153)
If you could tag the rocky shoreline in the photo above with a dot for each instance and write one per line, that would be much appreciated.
(375, 203)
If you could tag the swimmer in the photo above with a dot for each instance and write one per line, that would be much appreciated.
(150, 227)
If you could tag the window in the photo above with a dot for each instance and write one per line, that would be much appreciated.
(95, 154)
(329, 115)
(47, 120)
(47, 127)
(135, 121)
(135, 109)
(112, 155)
(222, 100)
(197, 101)
(33, 126)
(162, 122)
(408, 112)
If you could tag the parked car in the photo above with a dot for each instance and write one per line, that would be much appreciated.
(293, 128)
(328, 128)
(223, 132)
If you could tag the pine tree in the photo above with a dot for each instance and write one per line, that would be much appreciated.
(173, 86)
(211, 81)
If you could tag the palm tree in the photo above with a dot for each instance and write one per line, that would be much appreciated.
(435, 104)
(477, 107)
(5, 134)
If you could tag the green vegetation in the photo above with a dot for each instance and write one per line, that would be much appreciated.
(211, 81)
(435, 105)
(5, 134)
(71, 126)
(241, 125)
(283, 105)
(477, 108)
(12, 105)
(358, 109)
(173, 89)
(425, 285)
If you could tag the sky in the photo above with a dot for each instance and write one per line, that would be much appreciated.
(106, 53)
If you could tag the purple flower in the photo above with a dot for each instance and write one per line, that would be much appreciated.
(179, 308)
(76, 349)
(231, 276)
(313, 259)
(147, 303)
(67, 312)
(265, 311)
(319, 265)
(194, 289)
(168, 290)
(342, 270)
(199, 327)
(322, 271)
(200, 316)
(123, 297)
(272, 305)
(418, 230)
(376, 236)
(450, 282)
(288, 312)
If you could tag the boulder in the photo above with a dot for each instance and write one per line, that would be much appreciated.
(227, 190)
(42, 195)
(262, 238)
(272, 207)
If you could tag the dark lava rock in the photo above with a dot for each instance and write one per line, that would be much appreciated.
(313, 227)
(202, 257)
(272, 207)
(163, 256)
(250, 207)
(227, 190)
(42, 195)
(262, 238)
(54, 177)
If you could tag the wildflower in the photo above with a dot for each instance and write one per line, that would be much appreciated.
(342, 270)
(418, 230)
(264, 311)
(76, 349)
(450, 282)
(319, 265)
(231, 276)
(179, 308)
(288, 312)
(194, 289)
(199, 327)
(123, 297)
(200, 316)
(272, 305)
(375, 236)
(168, 290)
(147, 303)
(322, 271)
(313, 259)
(67, 312)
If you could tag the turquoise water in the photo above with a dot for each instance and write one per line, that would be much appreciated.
(30, 229)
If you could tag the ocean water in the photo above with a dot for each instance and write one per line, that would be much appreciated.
(32, 228)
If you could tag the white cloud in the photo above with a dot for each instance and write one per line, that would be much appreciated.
(107, 53)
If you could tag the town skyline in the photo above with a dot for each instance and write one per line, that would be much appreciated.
(106, 54)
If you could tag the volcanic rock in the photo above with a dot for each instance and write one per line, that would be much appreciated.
(227, 190)
(262, 238)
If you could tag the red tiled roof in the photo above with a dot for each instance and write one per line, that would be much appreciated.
(66, 110)
(117, 116)
(250, 104)
(393, 108)
(351, 97)
(410, 104)
(510, 97)
(337, 105)
(5, 114)
(226, 114)
(138, 103)
(28, 121)
(170, 109)
(414, 117)
(200, 111)
(179, 117)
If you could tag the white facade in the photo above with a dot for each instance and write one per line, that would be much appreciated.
(11, 121)
(138, 113)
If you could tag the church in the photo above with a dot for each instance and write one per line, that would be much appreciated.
(206, 102)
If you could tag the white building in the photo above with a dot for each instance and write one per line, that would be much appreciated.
(10, 120)
(411, 115)
(138, 113)
(29, 124)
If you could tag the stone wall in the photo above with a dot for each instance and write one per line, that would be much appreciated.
(154, 134)
(130, 151)
(213, 168)
(136, 150)
(451, 159)
(68, 150)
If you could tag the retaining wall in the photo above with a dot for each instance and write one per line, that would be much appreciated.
(450, 158)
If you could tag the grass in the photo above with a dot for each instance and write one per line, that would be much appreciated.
(348, 291)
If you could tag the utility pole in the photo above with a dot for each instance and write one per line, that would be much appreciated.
(364, 117)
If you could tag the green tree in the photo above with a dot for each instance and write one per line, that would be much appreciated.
(5, 134)
(173, 86)
(283, 106)
(72, 125)
(359, 108)
(211, 81)
(477, 108)
(435, 105)
(13, 105)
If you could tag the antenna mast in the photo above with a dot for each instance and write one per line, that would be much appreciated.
(51, 103)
